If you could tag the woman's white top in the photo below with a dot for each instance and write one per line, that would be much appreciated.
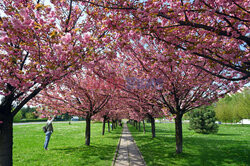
(50, 121)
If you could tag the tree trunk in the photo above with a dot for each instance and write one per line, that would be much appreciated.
(144, 128)
(153, 126)
(108, 126)
(112, 125)
(178, 133)
(6, 137)
(103, 126)
(87, 132)
(136, 125)
(139, 125)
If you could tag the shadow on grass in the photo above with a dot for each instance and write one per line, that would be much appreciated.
(198, 150)
(227, 134)
(100, 151)
(89, 154)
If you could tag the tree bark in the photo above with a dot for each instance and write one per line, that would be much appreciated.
(108, 126)
(152, 120)
(144, 129)
(139, 125)
(103, 126)
(136, 125)
(153, 127)
(87, 131)
(114, 124)
(6, 136)
(178, 133)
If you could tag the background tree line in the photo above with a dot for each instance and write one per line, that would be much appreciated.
(233, 108)
(27, 113)
(31, 114)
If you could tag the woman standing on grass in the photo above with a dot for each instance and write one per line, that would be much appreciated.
(49, 131)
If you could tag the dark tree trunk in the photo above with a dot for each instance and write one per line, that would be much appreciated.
(87, 131)
(6, 124)
(144, 128)
(103, 125)
(114, 124)
(152, 120)
(178, 133)
(153, 126)
(108, 126)
(136, 125)
(6, 136)
(139, 125)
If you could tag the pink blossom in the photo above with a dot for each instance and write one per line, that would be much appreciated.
(66, 39)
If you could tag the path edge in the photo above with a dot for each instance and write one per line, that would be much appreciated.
(117, 149)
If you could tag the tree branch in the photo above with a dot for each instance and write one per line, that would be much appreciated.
(68, 19)
(208, 28)
(33, 94)
(220, 76)
(108, 7)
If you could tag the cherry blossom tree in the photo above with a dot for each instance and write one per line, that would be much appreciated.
(113, 111)
(81, 94)
(103, 116)
(138, 90)
(141, 106)
(217, 31)
(184, 87)
(39, 45)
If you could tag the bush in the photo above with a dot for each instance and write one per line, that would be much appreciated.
(203, 121)
(30, 115)
(33, 120)
(25, 110)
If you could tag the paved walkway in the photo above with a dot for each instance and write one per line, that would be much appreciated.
(128, 153)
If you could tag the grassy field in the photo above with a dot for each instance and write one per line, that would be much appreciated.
(230, 146)
(66, 146)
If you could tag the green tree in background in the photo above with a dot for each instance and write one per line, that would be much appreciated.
(30, 115)
(27, 112)
(202, 120)
(18, 117)
(233, 108)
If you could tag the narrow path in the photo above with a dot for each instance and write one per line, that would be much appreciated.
(128, 153)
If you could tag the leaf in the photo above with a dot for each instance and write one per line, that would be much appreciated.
(53, 34)
(39, 6)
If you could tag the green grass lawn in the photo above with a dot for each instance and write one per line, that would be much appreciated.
(230, 146)
(66, 146)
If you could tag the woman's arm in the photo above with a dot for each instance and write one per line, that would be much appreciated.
(50, 121)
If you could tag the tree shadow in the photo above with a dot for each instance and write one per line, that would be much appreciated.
(220, 134)
(198, 150)
(89, 154)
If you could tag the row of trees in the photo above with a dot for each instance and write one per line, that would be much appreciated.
(80, 57)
